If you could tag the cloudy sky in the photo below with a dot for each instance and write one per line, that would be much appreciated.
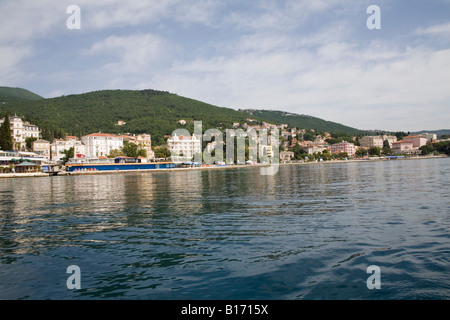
(309, 57)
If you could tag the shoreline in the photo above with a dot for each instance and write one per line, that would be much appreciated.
(41, 174)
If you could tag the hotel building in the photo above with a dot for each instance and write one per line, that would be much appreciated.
(184, 146)
(101, 144)
(344, 147)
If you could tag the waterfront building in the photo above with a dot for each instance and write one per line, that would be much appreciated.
(184, 146)
(21, 130)
(313, 148)
(416, 140)
(144, 141)
(402, 146)
(59, 145)
(344, 147)
(42, 148)
(319, 140)
(286, 156)
(430, 136)
(376, 141)
(8, 159)
(101, 144)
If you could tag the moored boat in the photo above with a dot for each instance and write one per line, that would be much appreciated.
(78, 165)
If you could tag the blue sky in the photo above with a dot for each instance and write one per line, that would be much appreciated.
(308, 57)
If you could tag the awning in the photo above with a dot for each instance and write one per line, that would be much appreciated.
(27, 164)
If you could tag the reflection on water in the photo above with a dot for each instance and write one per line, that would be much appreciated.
(308, 232)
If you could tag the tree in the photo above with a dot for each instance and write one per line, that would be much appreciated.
(298, 151)
(309, 135)
(400, 135)
(340, 155)
(29, 142)
(6, 141)
(361, 152)
(442, 147)
(426, 149)
(162, 152)
(386, 147)
(375, 151)
(343, 155)
(133, 150)
(289, 140)
(115, 153)
(69, 154)
(326, 156)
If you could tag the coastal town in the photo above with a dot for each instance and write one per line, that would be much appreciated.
(30, 153)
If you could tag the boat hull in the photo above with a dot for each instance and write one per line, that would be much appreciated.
(118, 166)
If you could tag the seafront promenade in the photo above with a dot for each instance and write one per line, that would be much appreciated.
(215, 167)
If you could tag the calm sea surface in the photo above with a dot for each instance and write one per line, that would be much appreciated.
(308, 232)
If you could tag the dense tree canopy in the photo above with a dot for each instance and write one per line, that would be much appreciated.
(6, 141)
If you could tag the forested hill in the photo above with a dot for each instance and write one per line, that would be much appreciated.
(302, 121)
(145, 111)
(12, 94)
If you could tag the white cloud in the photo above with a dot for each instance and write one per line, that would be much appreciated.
(436, 30)
(23, 20)
(117, 13)
(343, 83)
(288, 15)
(131, 54)
(10, 59)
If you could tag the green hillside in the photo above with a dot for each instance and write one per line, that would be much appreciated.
(302, 121)
(145, 111)
(12, 94)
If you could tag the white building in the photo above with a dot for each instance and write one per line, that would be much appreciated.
(376, 141)
(59, 145)
(42, 148)
(313, 148)
(144, 141)
(101, 144)
(429, 136)
(21, 130)
(184, 146)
